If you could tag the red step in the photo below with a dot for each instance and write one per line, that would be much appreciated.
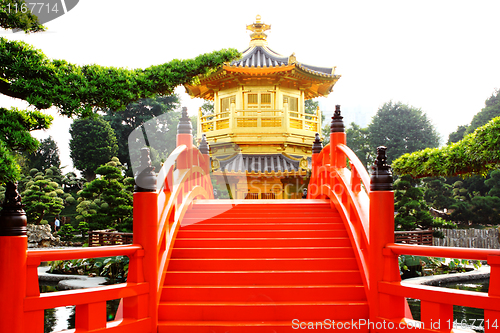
(260, 292)
(263, 310)
(261, 264)
(258, 326)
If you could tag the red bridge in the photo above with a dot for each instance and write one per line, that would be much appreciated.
(204, 265)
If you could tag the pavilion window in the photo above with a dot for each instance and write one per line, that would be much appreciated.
(259, 100)
(225, 104)
(293, 103)
(265, 101)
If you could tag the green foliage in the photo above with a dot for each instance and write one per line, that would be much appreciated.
(414, 266)
(402, 129)
(106, 202)
(493, 183)
(477, 153)
(160, 120)
(18, 19)
(83, 228)
(490, 111)
(80, 90)
(43, 195)
(93, 143)
(46, 156)
(207, 107)
(358, 139)
(114, 269)
(67, 232)
(412, 212)
(437, 193)
(15, 128)
(457, 135)
(325, 132)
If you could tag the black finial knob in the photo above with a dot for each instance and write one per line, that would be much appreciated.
(204, 148)
(145, 180)
(317, 145)
(13, 217)
(184, 126)
(337, 123)
(381, 177)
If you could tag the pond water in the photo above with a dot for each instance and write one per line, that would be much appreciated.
(463, 317)
(63, 318)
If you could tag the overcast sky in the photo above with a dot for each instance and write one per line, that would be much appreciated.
(440, 56)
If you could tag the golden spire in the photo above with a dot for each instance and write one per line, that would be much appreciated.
(258, 29)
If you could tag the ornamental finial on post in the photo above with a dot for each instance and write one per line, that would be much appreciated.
(184, 126)
(204, 148)
(145, 180)
(13, 217)
(337, 122)
(317, 145)
(381, 177)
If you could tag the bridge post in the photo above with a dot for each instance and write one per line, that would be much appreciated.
(185, 137)
(337, 136)
(205, 151)
(317, 147)
(381, 233)
(145, 216)
(13, 260)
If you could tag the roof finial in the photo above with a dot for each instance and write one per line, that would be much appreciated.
(258, 29)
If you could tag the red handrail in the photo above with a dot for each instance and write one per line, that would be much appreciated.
(157, 217)
(369, 219)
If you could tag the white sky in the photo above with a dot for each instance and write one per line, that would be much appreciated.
(440, 56)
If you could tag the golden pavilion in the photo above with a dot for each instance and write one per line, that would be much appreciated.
(259, 134)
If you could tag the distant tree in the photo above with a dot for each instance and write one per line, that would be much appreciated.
(490, 111)
(161, 121)
(402, 129)
(493, 183)
(437, 193)
(93, 143)
(207, 108)
(358, 139)
(458, 134)
(485, 210)
(71, 182)
(43, 196)
(412, 212)
(46, 156)
(106, 202)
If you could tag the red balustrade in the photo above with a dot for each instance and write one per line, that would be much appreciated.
(369, 218)
(157, 214)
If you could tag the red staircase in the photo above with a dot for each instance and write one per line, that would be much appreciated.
(262, 266)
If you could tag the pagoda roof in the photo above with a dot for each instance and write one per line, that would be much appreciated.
(261, 56)
(261, 64)
(261, 163)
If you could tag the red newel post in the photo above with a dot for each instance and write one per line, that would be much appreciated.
(185, 137)
(13, 258)
(337, 136)
(381, 233)
(145, 233)
(205, 151)
(317, 147)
